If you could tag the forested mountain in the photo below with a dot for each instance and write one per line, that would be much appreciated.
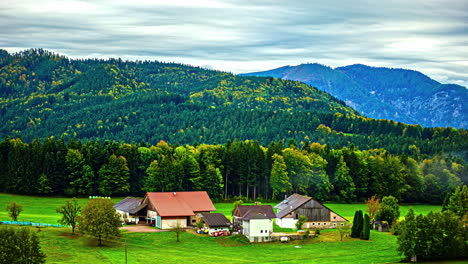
(43, 94)
(382, 93)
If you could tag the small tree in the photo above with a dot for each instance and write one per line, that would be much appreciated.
(300, 221)
(344, 230)
(373, 206)
(99, 219)
(235, 204)
(357, 224)
(178, 229)
(14, 209)
(457, 201)
(20, 246)
(70, 212)
(365, 233)
(407, 238)
(389, 210)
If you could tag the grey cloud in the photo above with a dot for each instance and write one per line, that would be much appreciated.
(243, 35)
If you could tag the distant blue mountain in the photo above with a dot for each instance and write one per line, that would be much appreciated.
(402, 95)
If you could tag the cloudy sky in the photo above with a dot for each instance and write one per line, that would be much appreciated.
(247, 35)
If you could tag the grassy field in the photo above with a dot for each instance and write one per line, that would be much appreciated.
(42, 209)
(161, 247)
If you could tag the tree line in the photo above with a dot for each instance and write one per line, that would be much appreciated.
(238, 169)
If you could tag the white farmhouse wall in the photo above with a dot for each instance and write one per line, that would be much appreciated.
(152, 213)
(260, 227)
(286, 222)
(171, 223)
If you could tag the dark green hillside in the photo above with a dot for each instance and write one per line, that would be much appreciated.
(43, 94)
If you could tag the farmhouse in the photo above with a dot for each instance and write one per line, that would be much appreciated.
(318, 215)
(216, 223)
(254, 221)
(128, 209)
(168, 209)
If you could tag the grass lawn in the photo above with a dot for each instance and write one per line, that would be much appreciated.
(36, 209)
(161, 247)
(42, 209)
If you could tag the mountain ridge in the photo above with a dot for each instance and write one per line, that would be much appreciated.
(401, 95)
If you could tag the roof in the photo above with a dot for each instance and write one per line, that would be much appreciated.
(243, 210)
(295, 201)
(127, 204)
(180, 203)
(216, 220)
(290, 204)
(254, 215)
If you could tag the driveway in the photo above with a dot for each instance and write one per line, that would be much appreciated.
(142, 229)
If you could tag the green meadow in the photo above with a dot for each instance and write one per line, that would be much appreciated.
(161, 247)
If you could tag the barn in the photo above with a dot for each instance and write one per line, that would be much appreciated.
(318, 215)
(169, 209)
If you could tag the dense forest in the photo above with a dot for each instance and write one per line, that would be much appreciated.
(43, 94)
(238, 169)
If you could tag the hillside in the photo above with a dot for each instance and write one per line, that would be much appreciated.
(382, 93)
(43, 94)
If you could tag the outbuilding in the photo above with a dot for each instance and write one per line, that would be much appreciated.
(318, 215)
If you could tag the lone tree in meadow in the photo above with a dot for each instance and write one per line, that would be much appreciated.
(99, 220)
(389, 210)
(14, 209)
(357, 224)
(20, 245)
(70, 212)
(344, 230)
(178, 230)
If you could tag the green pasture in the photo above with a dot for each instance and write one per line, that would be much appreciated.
(161, 247)
(42, 209)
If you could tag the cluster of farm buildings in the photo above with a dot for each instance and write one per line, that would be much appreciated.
(167, 210)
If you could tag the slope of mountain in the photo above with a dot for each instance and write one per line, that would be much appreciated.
(43, 94)
(382, 93)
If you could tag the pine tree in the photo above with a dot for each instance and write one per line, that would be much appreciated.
(365, 233)
(357, 224)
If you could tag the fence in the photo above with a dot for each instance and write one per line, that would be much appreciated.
(28, 224)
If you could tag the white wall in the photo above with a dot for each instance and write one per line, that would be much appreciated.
(171, 223)
(286, 222)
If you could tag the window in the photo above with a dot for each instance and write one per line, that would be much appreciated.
(313, 223)
(261, 231)
(318, 223)
(334, 217)
(324, 223)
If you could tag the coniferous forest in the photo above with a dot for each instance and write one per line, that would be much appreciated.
(80, 127)
(238, 169)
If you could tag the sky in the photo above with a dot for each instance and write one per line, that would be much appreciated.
(241, 36)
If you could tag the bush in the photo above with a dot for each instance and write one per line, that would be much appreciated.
(18, 246)
(302, 219)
